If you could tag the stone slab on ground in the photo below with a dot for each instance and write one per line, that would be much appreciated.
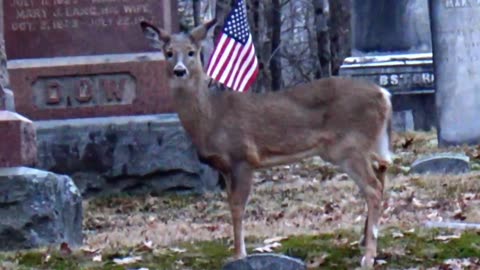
(442, 163)
(133, 154)
(17, 140)
(266, 262)
(38, 208)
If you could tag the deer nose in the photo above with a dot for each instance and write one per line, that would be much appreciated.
(180, 70)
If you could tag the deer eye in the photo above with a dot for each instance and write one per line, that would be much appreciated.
(169, 54)
(191, 53)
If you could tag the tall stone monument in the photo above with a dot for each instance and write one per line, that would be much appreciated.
(456, 43)
(76, 59)
(391, 45)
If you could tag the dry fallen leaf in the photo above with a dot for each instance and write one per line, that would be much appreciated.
(354, 243)
(447, 237)
(47, 258)
(89, 251)
(65, 249)
(274, 239)
(178, 250)
(380, 262)
(397, 235)
(97, 258)
(146, 245)
(268, 248)
(314, 263)
(127, 260)
(410, 231)
(417, 203)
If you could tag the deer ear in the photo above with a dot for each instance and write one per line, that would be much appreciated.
(157, 37)
(199, 33)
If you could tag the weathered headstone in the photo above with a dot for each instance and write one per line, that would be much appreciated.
(71, 58)
(456, 43)
(266, 262)
(442, 163)
(392, 47)
(38, 208)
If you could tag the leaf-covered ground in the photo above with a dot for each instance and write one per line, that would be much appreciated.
(307, 210)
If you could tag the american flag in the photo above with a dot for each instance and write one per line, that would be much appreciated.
(233, 61)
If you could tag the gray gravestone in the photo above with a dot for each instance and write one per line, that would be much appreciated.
(266, 262)
(442, 163)
(38, 208)
(456, 42)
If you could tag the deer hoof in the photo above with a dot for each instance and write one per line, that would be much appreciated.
(239, 256)
(367, 262)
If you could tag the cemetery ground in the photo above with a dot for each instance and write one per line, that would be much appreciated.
(306, 210)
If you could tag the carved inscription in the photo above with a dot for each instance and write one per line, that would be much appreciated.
(84, 91)
(47, 15)
(56, 28)
(405, 82)
(459, 39)
(460, 3)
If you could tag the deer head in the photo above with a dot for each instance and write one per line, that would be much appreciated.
(182, 50)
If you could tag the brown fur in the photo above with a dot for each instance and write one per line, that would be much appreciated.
(339, 119)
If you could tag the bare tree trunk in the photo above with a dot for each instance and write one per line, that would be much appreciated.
(196, 12)
(256, 27)
(265, 44)
(321, 8)
(340, 32)
(275, 63)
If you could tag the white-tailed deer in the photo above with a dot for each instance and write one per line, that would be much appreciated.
(344, 121)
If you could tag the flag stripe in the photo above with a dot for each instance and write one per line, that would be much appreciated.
(241, 73)
(238, 76)
(216, 55)
(239, 61)
(223, 61)
(231, 58)
(249, 72)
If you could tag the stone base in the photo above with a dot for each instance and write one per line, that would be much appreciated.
(17, 140)
(38, 208)
(266, 262)
(131, 154)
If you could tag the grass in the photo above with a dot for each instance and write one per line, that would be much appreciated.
(318, 208)
(335, 250)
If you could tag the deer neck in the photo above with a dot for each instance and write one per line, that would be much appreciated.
(192, 103)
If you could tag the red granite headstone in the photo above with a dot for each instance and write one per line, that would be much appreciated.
(18, 146)
(86, 58)
(50, 28)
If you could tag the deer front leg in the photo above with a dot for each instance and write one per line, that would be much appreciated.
(238, 188)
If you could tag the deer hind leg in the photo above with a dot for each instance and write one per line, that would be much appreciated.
(360, 169)
(239, 185)
(379, 166)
